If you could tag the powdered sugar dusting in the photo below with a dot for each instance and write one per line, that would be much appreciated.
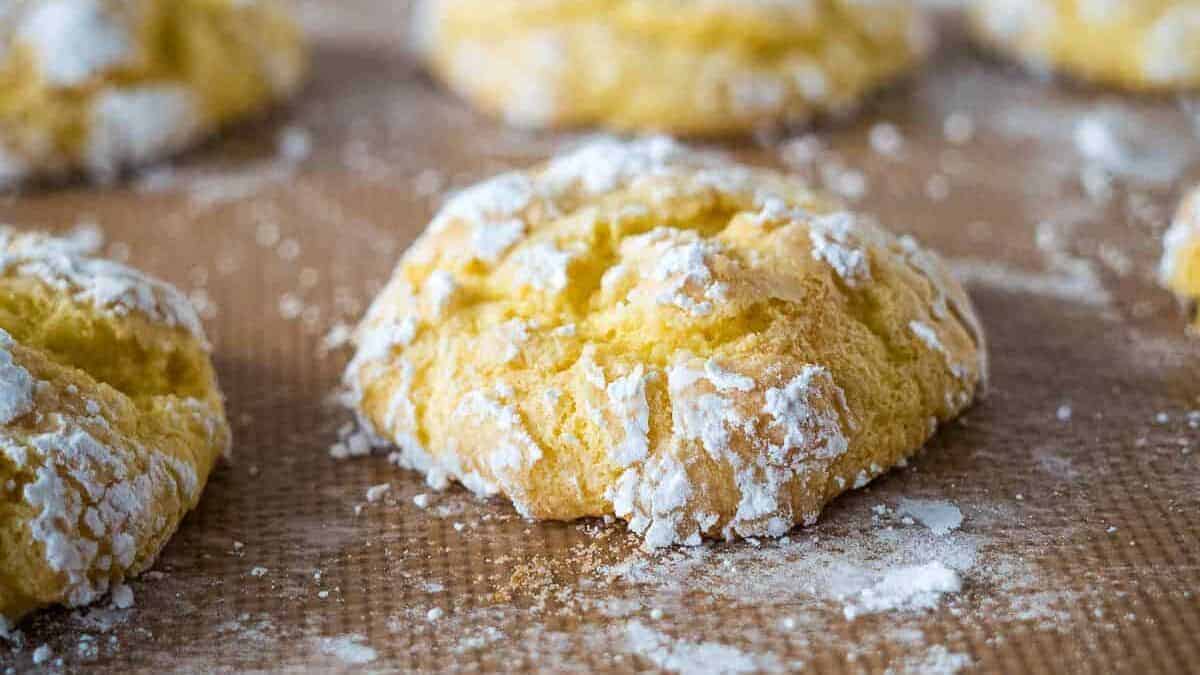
(139, 124)
(544, 267)
(1170, 51)
(679, 261)
(492, 240)
(834, 241)
(349, 649)
(77, 509)
(607, 164)
(679, 656)
(16, 384)
(905, 588)
(73, 40)
(106, 285)
(627, 396)
(497, 200)
(514, 452)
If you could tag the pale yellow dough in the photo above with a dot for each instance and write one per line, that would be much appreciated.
(100, 85)
(1180, 269)
(634, 329)
(699, 67)
(1141, 45)
(110, 422)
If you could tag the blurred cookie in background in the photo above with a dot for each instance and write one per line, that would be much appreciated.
(695, 67)
(96, 86)
(1140, 45)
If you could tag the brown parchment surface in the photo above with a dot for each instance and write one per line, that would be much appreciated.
(1080, 544)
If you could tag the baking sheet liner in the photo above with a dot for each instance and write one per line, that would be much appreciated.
(1077, 477)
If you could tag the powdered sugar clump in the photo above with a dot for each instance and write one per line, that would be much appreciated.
(544, 267)
(349, 649)
(74, 39)
(834, 241)
(627, 397)
(122, 596)
(905, 588)
(680, 656)
(940, 517)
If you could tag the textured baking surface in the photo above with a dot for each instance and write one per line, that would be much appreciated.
(1076, 479)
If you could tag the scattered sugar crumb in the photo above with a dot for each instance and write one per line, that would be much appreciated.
(42, 654)
(958, 128)
(886, 139)
(376, 492)
(122, 596)
(936, 661)
(937, 187)
(421, 500)
(338, 336)
(349, 649)
(259, 571)
(295, 144)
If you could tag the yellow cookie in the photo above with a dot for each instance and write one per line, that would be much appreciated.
(110, 422)
(1180, 270)
(635, 329)
(1142, 45)
(98, 85)
(697, 67)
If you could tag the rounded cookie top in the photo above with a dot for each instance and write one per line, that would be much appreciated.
(1180, 267)
(98, 85)
(718, 66)
(636, 329)
(1147, 45)
(110, 421)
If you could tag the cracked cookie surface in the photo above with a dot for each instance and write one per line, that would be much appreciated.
(96, 86)
(110, 421)
(635, 329)
(698, 67)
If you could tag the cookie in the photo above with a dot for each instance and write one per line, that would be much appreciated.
(1142, 45)
(1180, 268)
(638, 330)
(697, 67)
(100, 85)
(110, 422)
